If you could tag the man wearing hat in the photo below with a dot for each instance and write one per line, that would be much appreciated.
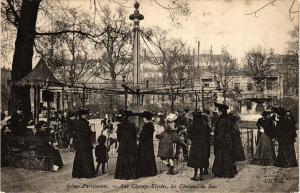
(83, 165)
(223, 164)
(70, 128)
(182, 125)
(146, 147)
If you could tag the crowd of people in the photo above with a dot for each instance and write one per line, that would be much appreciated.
(276, 125)
(192, 133)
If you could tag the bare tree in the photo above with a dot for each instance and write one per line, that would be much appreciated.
(289, 66)
(114, 45)
(222, 66)
(257, 63)
(68, 54)
(172, 56)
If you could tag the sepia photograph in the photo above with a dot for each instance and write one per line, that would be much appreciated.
(149, 96)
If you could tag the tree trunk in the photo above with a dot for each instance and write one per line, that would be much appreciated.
(22, 59)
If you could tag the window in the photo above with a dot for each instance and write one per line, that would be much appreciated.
(206, 84)
(237, 85)
(249, 86)
(269, 85)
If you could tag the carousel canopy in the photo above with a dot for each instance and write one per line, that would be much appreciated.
(40, 75)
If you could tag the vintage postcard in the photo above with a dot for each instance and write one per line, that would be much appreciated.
(149, 96)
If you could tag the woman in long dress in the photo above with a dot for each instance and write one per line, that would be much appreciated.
(265, 151)
(146, 148)
(223, 164)
(198, 156)
(286, 135)
(127, 166)
(83, 166)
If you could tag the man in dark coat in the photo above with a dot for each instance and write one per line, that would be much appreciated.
(223, 164)
(18, 124)
(146, 148)
(286, 134)
(70, 128)
(83, 165)
(127, 166)
(182, 125)
(206, 119)
(237, 151)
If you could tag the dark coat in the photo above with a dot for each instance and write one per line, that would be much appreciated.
(165, 147)
(83, 165)
(269, 128)
(237, 147)
(198, 156)
(286, 134)
(126, 135)
(83, 139)
(146, 151)
(48, 150)
(18, 125)
(101, 153)
(223, 163)
(127, 166)
(70, 128)
(259, 124)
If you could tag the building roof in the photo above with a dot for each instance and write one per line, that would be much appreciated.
(40, 75)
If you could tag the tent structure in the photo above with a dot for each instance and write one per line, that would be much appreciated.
(41, 75)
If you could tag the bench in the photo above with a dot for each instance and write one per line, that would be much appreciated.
(28, 153)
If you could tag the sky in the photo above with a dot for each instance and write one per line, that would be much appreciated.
(217, 23)
(220, 23)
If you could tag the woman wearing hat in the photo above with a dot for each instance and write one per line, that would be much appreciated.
(166, 140)
(286, 135)
(223, 164)
(83, 165)
(265, 151)
(146, 148)
(46, 148)
(198, 134)
(127, 166)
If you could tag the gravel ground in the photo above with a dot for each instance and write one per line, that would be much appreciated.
(249, 179)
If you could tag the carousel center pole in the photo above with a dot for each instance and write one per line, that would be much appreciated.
(136, 17)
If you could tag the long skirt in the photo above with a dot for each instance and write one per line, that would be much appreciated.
(147, 163)
(57, 160)
(127, 167)
(198, 157)
(223, 164)
(237, 151)
(265, 152)
(286, 156)
(83, 166)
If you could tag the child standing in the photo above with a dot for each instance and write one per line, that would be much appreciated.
(101, 153)
(166, 139)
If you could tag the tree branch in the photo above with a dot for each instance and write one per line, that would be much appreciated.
(256, 11)
(291, 12)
